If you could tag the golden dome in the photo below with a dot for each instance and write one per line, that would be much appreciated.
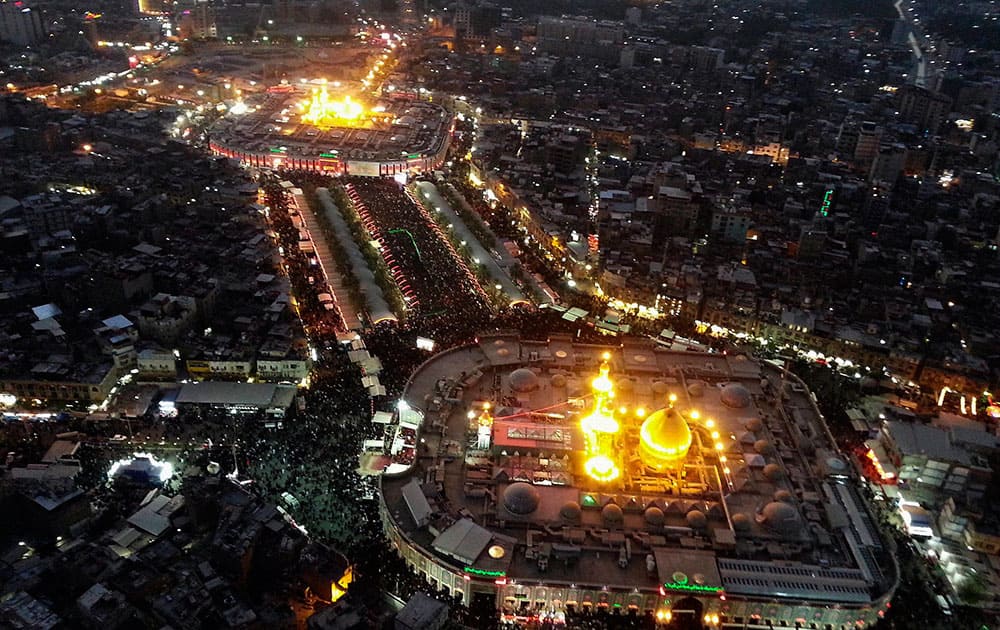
(664, 439)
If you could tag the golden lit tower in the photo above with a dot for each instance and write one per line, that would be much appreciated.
(599, 429)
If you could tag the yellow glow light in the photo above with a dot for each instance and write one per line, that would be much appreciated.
(641, 412)
(710, 423)
(715, 435)
(321, 110)
(599, 428)
(599, 422)
(694, 414)
(601, 468)
(718, 446)
(672, 399)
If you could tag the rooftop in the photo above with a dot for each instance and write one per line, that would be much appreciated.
(762, 480)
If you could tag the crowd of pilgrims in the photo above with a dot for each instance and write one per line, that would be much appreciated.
(314, 456)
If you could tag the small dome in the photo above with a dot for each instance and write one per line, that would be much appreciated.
(773, 472)
(558, 380)
(741, 522)
(660, 388)
(696, 519)
(696, 389)
(612, 514)
(523, 380)
(763, 447)
(520, 498)
(754, 425)
(570, 511)
(783, 496)
(781, 517)
(654, 515)
(626, 385)
(735, 396)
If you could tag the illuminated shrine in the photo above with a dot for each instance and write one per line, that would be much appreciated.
(664, 439)
(322, 110)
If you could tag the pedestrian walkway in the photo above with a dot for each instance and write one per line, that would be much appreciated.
(348, 309)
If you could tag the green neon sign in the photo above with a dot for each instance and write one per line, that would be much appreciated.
(484, 572)
(412, 156)
(332, 154)
(684, 586)
(278, 149)
(827, 201)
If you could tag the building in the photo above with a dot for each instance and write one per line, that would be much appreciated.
(20, 25)
(731, 227)
(923, 107)
(58, 378)
(422, 613)
(270, 398)
(869, 138)
(705, 59)
(936, 462)
(155, 364)
(104, 608)
(165, 318)
(650, 503)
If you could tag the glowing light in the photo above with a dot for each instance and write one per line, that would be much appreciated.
(683, 585)
(873, 458)
(323, 111)
(339, 588)
(599, 428)
(239, 108)
(484, 572)
(601, 468)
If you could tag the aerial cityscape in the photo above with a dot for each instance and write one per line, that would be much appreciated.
(337, 314)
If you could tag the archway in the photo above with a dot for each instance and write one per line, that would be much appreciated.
(687, 614)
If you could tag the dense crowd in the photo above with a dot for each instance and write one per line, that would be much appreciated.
(439, 283)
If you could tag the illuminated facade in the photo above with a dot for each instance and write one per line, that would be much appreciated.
(673, 499)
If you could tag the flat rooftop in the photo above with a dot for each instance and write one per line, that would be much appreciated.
(261, 395)
(763, 482)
